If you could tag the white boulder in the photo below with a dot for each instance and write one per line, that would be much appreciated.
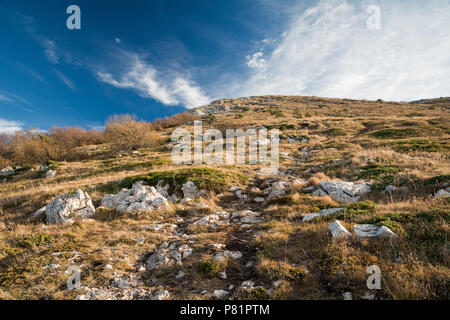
(50, 173)
(340, 191)
(372, 231)
(7, 171)
(67, 206)
(190, 190)
(338, 230)
(137, 199)
(442, 193)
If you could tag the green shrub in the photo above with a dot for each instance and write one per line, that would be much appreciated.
(336, 132)
(210, 268)
(376, 171)
(34, 240)
(418, 145)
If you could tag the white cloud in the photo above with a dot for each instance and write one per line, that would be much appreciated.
(50, 51)
(170, 89)
(255, 61)
(5, 98)
(64, 79)
(7, 126)
(328, 51)
(117, 40)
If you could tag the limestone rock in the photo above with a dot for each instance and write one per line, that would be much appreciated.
(67, 206)
(338, 230)
(50, 173)
(7, 171)
(190, 190)
(372, 231)
(168, 254)
(221, 294)
(324, 212)
(340, 191)
(443, 193)
(138, 198)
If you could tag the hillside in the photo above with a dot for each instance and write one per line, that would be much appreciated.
(242, 234)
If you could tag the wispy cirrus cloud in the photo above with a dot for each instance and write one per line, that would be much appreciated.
(170, 88)
(50, 50)
(5, 98)
(69, 83)
(327, 50)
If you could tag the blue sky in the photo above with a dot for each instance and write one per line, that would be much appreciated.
(159, 57)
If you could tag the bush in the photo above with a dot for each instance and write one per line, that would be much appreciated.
(72, 137)
(173, 121)
(126, 133)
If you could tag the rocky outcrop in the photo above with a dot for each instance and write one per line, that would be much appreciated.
(190, 190)
(340, 191)
(372, 231)
(139, 198)
(169, 254)
(68, 206)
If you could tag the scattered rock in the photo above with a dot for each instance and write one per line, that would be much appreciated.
(50, 173)
(180, 275)
(221, 294)
(249, 285)
(372, 231)
(324, 212)
(347, 296)
(137, 199)
(390, 188)
(228, 254)
(161, 295)
(338, 230)
(190, 190)
(246, 216)
(277, 189)
(169, 254)
(442, 193)
(67, 206)
(345, 192)
(7, 171)
(368, 296)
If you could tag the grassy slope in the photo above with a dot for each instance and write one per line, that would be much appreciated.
(387, 143)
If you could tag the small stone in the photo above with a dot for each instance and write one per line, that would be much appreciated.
(348, 296)
(161, 295)
(221, 294)
(368, 296)
(222, 275)
(180, 274)
(108, 267)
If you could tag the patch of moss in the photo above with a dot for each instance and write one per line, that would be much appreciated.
(336, 132)
(376, 171)
(259, 293)
(351, 212)
(210, 268)
(34, 240)
(418, 146)
(397, 133)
